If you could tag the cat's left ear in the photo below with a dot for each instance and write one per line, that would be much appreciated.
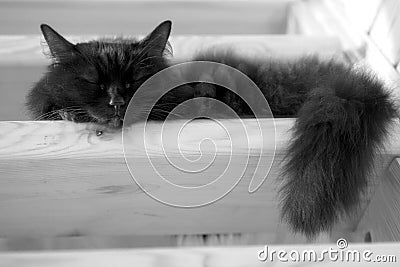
(59, 46)
(157, 40)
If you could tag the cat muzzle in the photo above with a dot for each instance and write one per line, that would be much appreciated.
(115, 122)
(117, 110)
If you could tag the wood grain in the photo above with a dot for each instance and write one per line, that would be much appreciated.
(194, 256)
(61, 179)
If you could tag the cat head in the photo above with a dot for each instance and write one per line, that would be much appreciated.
(101, 76)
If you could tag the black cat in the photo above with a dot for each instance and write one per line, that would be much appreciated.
(343, 115)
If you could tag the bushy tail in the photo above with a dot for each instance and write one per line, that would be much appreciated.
(338, 131)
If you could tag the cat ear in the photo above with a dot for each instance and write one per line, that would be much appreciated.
(157, 40)
(59, 47)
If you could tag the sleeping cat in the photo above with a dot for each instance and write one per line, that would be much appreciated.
(343, 115)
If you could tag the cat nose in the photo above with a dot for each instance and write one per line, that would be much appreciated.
(117, 101)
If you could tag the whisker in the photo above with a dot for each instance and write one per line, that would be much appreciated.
(55, 114)
(45, 115)
(167, 112)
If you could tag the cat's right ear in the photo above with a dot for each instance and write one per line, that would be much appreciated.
(59, 46)
(157, 40)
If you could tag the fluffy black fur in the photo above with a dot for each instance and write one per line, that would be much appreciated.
(343, 114)
(94, 81)
(338, 131)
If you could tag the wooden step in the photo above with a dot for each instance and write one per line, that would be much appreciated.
(22, 61)
(139, 17)
(355, 255)
(61, 179)
(28, 49)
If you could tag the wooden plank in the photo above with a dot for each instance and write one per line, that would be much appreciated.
(318, 18)
(59, 178)
(209, 256)
(27, 50)
(22, 61)
(139, 17)
(29, 243)
(385, 30)
(300, 22)
(36, 243)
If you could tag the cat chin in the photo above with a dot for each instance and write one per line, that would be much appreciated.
(112, 123)
(115, 122)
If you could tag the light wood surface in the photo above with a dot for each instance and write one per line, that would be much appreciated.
(139, 17)
(385, 30)
(27, 49)
(300, 22)
(321, 18)
(362, 20)
(61, 179)
(358, 46)
(379, 21)
(84, 242)
(212, 257)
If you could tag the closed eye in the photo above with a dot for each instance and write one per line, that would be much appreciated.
(141, 79)
(136, 82)
(89, 81)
